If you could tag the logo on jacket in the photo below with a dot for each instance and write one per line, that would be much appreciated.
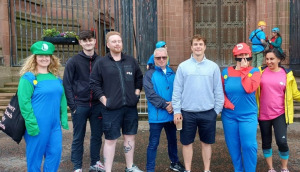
(128, 73)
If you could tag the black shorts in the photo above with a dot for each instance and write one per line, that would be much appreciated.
(124, 117)
(204, 121)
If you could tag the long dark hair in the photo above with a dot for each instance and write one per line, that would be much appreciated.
(277, 53)
(278, 34)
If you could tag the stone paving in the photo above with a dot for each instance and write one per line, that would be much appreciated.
(12, 156)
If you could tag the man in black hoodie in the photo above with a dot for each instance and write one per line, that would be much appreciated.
(82, 103)
(116, 81)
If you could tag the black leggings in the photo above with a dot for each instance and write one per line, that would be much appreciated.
(280, 131)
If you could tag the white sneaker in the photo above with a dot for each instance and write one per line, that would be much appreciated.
(97, 167)
(134, 168)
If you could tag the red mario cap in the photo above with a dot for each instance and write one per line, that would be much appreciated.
(241, 48)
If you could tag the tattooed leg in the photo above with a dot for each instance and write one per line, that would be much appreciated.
(129, 144)
(127, 148)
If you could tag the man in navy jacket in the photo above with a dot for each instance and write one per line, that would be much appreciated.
(158, 85)
(82, 104)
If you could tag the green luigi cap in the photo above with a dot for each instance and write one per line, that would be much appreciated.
(42, 48)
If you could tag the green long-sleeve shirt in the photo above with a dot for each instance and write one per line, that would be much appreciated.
(30, 85)
(277, 44)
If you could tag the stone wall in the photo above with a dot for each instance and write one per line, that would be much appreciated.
(171, 28)
(4, 33)
(11, 74)
(175, 23)
(276, 13)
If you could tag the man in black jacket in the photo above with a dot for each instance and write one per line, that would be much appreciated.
(116, 81)
(82, 103)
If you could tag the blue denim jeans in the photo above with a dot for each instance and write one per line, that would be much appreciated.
(155, 130)
(79, 119)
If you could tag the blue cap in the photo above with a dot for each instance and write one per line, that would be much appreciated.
(275, 29)
(160, 44)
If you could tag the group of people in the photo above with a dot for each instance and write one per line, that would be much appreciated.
(105, 91)
(246, 95)
(261, 43)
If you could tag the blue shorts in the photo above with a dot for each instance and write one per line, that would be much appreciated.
(113, 120)
(205, 122)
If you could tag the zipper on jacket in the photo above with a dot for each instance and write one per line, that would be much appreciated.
(287, 106)
(91, 92)
(122, 83)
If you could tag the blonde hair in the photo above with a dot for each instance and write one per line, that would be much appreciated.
(111, 33)
(30, 65)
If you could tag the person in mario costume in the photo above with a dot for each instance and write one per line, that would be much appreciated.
(239, 115)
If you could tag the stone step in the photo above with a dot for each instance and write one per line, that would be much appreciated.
(297, 109)
(142, 117)
(297, 117)
(4, 102)
(3, 107)
(5, 99)
(8, 90)
(8, 96)
(11, 84)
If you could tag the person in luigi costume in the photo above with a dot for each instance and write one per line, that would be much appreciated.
(43, 105)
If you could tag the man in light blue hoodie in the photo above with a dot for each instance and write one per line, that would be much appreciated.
(197, 99)
(158, 85)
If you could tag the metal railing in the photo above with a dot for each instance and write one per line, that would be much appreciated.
(28, 18)
(142, 106)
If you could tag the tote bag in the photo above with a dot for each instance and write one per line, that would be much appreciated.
(13, 123)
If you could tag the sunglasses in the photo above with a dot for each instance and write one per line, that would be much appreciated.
(161, 57)
(240, 59)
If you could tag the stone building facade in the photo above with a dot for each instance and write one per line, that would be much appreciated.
(176, 23)
(223, 22)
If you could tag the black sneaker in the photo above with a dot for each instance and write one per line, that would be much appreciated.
(177, 166)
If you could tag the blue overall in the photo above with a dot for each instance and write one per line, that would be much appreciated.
(240, 124)
(46, 102)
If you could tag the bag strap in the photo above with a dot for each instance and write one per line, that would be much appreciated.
(31, 78)
(255, 35)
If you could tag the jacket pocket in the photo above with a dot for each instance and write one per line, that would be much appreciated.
(82, 90)
(107, 103)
